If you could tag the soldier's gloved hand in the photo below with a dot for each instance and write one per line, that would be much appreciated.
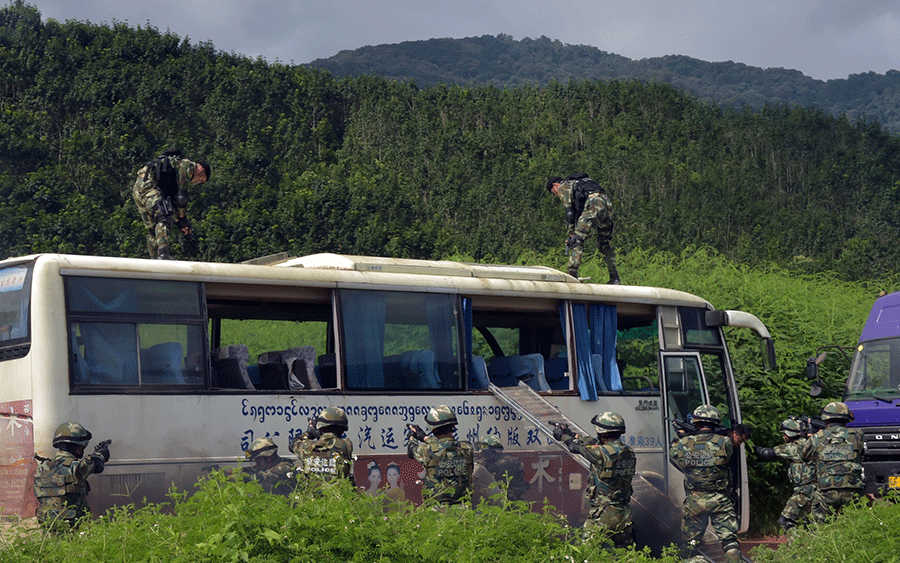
(561, 431)
(416, 432)
(765, 454)
(184, 225)
(104, 453)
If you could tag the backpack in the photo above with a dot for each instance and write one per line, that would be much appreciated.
(584, 186)
(164, 173)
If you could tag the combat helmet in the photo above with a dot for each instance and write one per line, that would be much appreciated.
(71, 434)
(609, 423)
(792, 428)
(261, 447)
(836, 411)
(332, 416)
(440, 416)
(489, 441)
(707, 414)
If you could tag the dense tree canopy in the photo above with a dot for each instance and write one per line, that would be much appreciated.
(304, 162)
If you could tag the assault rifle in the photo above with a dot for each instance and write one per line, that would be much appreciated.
(810, 425)
(686, 428)
(311, 429)
(102, 448)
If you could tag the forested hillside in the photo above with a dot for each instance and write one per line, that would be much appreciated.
(305, 162)
(503, 61)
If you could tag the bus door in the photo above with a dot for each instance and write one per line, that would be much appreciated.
(683, 390)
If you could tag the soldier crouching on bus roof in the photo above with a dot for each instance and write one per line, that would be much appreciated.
(802, 474)
(448, 462)
(273, 472)
(322, 450)
(836, 452)
(612, 469)
(703, 458)
(60, 484)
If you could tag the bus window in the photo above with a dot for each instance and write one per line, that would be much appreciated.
(396, 340)
(637, 351)
(15, 302)
(517, 343)
(135, 333)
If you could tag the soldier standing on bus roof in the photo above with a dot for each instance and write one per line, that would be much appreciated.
(612, 469)
(160, 193)
(273, 472)
(802, 474)
(588, 209)
(323, 450)
(504, 468)
(448, 462)
(60, 484)
(703, 458)
(836, 452)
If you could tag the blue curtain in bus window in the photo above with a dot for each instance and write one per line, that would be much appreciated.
(587, 379)
(364, 314)
(604, 324)
(441, 324)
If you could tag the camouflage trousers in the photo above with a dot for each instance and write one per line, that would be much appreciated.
(596, 217)
(614, 519)
(829, 502)
(701, 508)
(799, 505)
(159, 226)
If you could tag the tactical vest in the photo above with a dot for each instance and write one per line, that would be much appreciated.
(59, 492)
(838, 459)
(704, 459)
(583, 187)
(164, 169)
(611, 474)
(449, 469)
(329, 456)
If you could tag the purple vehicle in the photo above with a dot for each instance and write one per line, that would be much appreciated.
(873, 394)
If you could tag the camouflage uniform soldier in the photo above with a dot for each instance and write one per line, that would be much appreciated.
(322, 449)
(274, 473)
(836, 452)
(161, 198)
(504, 468)
(801, 474)
(60, 484)
(588, 209)
(704, 457)
(448, 462)
(612, 469)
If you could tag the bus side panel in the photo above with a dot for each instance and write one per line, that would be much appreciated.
(16, 459)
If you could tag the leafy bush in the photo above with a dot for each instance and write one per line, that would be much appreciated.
(228, 520)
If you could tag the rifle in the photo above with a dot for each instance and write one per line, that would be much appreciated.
(686, 428)
(811, 425)
(571, 243)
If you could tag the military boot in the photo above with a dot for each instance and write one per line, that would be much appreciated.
(609, 256)
(162, 253)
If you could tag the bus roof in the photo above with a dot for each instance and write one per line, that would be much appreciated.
(361, 272)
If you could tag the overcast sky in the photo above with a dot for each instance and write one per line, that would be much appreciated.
(822, 38)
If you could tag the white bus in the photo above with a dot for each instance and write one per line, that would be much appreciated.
(183, 364)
